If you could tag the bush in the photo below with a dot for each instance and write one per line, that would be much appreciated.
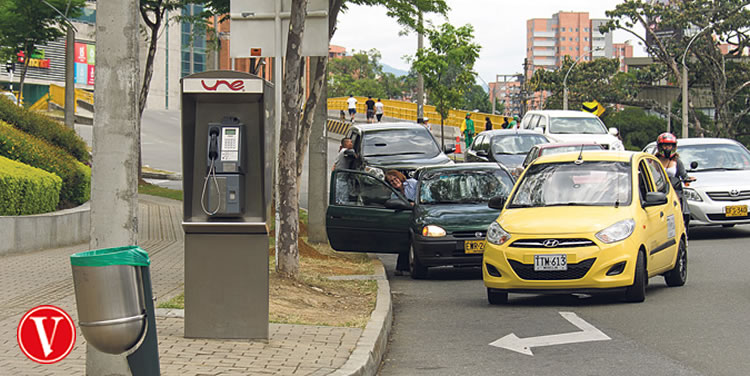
(76, 177)
(27, 190)
(43, 127)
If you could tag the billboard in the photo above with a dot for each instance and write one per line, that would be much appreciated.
(85, 58)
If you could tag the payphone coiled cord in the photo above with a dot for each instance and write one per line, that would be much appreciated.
(211, 175)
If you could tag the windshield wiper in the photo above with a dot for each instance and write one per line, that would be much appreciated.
(572, 204)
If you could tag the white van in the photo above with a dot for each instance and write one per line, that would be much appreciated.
(572, 126)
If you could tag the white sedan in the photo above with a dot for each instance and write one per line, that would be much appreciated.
(721, 193)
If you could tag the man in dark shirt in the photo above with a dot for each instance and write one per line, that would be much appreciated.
(370, 109)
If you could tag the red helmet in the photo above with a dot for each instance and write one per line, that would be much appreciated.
(666, 138)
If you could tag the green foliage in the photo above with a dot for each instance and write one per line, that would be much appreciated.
(407, 12)
(26, 190)
(477, 99)
(448, 66)
(360, 74)
(76, 177)
(637, 128)
(45, 128)
(155, 190)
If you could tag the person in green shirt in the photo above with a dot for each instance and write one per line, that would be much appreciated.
(467, 128)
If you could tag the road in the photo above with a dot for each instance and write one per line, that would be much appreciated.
(443, 326)
(162, 147)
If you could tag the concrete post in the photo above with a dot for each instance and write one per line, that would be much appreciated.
(317, 195)
(70, 85)
(114, 185)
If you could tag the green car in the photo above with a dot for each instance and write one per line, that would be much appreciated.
(446, 225)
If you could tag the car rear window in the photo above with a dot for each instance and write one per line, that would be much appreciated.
(393, 142)
(516, 143)
(576, 125)
(568, 149)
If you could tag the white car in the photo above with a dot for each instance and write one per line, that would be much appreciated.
(720, 195)
(10, 96)
(572, 126)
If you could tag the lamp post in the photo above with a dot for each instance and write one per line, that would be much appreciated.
(685, 83)
(565, 80)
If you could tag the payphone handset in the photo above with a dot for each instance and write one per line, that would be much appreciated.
(224, 163)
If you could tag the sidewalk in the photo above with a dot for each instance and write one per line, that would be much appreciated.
(44, 277)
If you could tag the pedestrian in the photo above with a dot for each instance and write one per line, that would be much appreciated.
(505, 124)
(487, 124)
(426, 123)
(379, 110)
(513, 122)
(666, 151)
(342, 115)
(345, 160)
(467, 128)
(370, 109)
(352, 104)
(407, 188)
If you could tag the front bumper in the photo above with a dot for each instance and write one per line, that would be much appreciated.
(446, 251)
(587, 267)
(711, 211)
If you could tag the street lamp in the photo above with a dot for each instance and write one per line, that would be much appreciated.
(565, 80)
(685, 83)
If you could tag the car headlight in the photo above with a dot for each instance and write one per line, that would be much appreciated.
(496, 234)
(617, 232)
(691, 194)
(375, 171)
(432, 231)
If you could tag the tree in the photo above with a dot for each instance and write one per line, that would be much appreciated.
(477, 99)
(723, 21)
(636, 127)
(25, 24)
(448, 67)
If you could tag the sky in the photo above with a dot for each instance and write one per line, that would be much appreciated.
(499, 27)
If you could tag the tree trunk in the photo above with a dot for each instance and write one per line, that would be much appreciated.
(148, 73)
(287, 251)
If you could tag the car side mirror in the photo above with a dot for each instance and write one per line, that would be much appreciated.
(655, 198)
(447, 149)
(397, 204)
(497, 202)
(614, 131)
(693, 165)
(482, 153)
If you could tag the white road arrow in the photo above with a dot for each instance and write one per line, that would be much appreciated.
(523, 345)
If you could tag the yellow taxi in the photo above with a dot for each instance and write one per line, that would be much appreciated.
(588, 222)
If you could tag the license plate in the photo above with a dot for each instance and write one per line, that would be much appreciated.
(550, 262)
(735, 211)
(474, 246)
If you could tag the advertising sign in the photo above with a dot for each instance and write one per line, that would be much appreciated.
(84, 63)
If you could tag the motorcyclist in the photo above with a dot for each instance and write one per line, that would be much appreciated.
(666, 151)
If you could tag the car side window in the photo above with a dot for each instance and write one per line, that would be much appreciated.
(485, 145)
(532, 122)
(525, 122)
(657, 174)
(477, 141)
(542, 123)
(644, 184)
(353, 188)
(531, 156)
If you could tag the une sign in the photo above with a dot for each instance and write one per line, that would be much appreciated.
(217, 85)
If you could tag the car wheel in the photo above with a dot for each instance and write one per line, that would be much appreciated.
(496, 297)
(678, 275)
(728, 225)
(416, 269)
(636, 293)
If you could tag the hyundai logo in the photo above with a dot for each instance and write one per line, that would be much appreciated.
(479, 234)
(734, 193)
(551, 243)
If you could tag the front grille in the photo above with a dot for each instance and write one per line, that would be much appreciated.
(575, 271)
(726, 196)
(722, 217)
(562, 243)
(469, 234)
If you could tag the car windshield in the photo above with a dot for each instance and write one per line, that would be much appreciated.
(516, 143)
(463, 187)
(393, 142)
(714, 157)
(586, 184)
(576, 125)
(567, 149)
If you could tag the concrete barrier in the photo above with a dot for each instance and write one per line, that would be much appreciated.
(42, 231)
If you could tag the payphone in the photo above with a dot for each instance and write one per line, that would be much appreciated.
(223, 186)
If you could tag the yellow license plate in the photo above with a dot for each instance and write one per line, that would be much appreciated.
(474, 246)
(735, 211)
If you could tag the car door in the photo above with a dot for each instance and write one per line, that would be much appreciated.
(666, 235)
(472, 154)
(357, 219)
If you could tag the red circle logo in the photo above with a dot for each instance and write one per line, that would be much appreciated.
(46, 334)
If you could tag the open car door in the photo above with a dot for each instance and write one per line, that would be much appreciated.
(366, 215)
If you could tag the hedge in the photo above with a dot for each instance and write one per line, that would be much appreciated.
(52, 131)
(27, 190)
(76, 177)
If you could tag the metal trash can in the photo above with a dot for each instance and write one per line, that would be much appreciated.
(110, 296)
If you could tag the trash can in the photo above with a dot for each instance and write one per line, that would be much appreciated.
(110, 296)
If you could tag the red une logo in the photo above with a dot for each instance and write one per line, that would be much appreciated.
(234, 86)
(46, 334)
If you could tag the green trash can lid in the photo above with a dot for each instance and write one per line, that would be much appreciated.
(130, 255)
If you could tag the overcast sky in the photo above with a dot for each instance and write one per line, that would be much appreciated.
(499, 27)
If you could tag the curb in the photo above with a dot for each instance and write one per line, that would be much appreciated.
(366, 357)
